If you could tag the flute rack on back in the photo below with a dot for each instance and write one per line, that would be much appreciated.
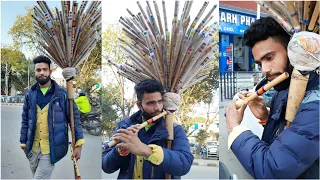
(294, 16)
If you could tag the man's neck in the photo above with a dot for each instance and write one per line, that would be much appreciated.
(45, 85)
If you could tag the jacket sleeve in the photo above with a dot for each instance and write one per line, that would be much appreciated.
(292, 152)
(77, 124)
(112, 161)
(24, 123)
(177, 160)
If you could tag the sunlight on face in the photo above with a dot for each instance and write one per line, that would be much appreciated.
(152, 103)
(271, 56)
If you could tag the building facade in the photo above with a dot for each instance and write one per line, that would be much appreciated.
(236, 63)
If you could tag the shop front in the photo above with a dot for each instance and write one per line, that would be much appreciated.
(237, 68)
(234, 55)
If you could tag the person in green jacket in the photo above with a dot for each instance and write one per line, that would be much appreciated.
(83, 103)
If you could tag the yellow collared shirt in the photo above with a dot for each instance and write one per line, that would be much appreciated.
(41, 137)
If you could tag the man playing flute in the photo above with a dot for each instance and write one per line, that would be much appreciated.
(45, 119)
(282, 152)
(142, 154)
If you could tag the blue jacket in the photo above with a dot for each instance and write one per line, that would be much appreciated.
(58, 119)
(294, 152)
(177, 161)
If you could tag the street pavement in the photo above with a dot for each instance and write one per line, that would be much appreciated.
(196, 171)
(226, 156)
(15, 165)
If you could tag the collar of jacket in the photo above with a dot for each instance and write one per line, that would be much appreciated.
(160, 132)
(54, 86)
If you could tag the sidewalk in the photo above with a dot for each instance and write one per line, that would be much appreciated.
(206, 162)
(11, 104)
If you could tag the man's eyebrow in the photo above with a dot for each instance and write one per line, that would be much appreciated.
(263, 57)
(154, 100)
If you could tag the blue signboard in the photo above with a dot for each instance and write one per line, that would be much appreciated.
(233, 22)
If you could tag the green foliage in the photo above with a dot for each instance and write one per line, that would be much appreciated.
(111, 44)
(14, 63)
(109, 114)
(201, 136)
(22, 31)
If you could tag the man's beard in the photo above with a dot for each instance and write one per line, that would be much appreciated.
(43, 81)
(286, 83)
(147, 115)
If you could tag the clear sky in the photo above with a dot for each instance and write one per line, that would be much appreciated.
(9, 12)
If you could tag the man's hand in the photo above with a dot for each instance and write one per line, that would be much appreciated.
(23, 148)
(130, 141)
(77, 152)
(257, 106)
(233, 116)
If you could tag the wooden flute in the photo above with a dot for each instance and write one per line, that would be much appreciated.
(263, 89)
(149, 121)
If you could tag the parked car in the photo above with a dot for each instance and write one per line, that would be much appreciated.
(20, 98)
(12, 99)
(210, 149)
(213, 149)
(4, 98)
(193, 147)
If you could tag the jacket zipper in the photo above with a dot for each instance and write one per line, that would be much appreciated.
(53, 106)
(152, 172)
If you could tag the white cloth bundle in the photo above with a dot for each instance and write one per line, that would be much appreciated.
(304, 51)
(171, 101)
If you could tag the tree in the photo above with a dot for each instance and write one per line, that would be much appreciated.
(13, 69)
(117, 85)
(20, 82)
(110, 115)
(202, 92)
(22, 32)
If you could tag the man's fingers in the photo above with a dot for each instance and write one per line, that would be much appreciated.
(123, 146)
(230, 106)
(125, 131)
(134, 128)
(233, 104)
(243, 107)
(77, 156)
(241, 96)
(121, 138)
(244, 93)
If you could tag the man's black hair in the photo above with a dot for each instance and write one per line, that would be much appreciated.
(42, 59)
(148, 86)
(264, 28)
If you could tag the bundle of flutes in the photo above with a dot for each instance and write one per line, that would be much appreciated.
(297, 17)
(179, 58)
(294, 16)
(68, 36)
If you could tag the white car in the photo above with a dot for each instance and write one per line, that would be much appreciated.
(213, 149)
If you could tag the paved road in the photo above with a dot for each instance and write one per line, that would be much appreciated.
(227, 156)
(196, 172)
(15, 165)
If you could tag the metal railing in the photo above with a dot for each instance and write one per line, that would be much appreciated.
(232, 82)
